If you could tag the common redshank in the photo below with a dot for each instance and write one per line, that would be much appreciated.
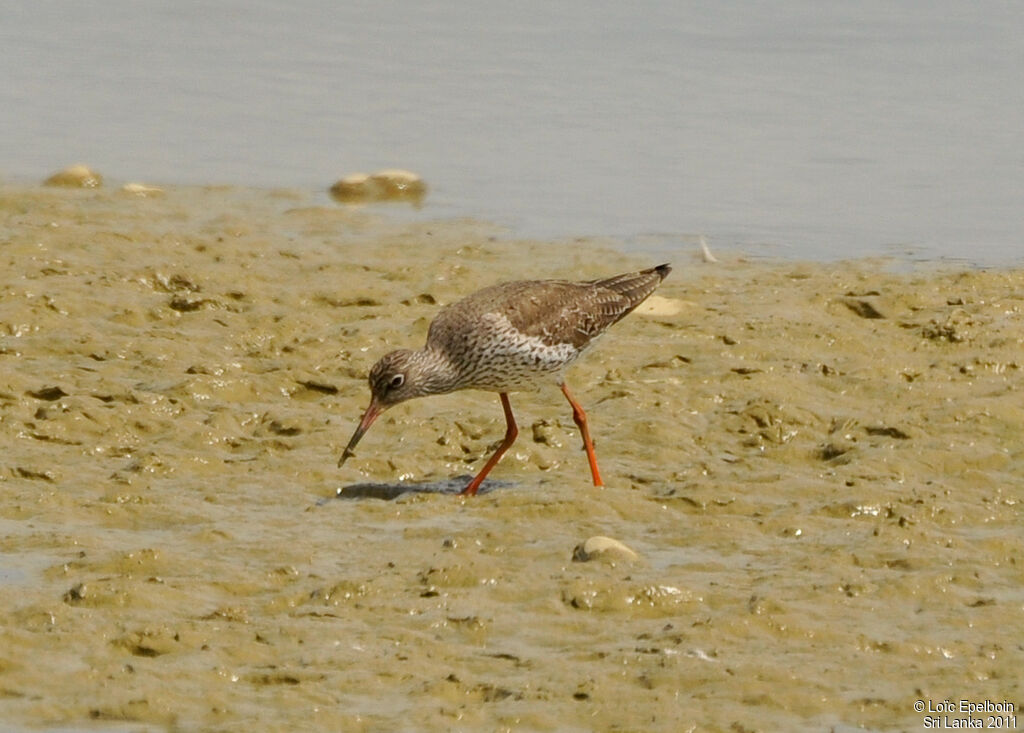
(506, 338)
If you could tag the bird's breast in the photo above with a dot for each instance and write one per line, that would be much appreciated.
(498, 357)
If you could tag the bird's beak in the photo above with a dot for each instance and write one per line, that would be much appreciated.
(371, 414)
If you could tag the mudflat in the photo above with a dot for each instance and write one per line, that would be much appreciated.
(814, 481)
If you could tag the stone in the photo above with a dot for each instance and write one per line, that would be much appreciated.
(397, 183)
(76, 176)
(142, 190)
(391, 184)
(599, 547)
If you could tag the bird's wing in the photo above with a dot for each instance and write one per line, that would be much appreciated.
(554, 311)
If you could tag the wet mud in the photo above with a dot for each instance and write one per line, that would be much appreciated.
(815, 471)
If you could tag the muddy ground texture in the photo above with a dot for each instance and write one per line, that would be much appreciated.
(818, 467)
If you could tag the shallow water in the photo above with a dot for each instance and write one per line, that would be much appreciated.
(812, 130)
(818, 465)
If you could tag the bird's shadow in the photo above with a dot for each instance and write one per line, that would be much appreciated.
(390, 491)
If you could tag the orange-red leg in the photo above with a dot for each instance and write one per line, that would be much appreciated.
(580, 418)
(511, 432)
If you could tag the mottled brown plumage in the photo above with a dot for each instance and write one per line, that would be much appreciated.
(505, 338)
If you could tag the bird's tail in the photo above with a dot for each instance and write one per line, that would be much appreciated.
(636, 286)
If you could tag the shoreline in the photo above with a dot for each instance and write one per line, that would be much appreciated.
(416, 211)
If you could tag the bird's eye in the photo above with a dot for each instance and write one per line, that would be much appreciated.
(397, 381)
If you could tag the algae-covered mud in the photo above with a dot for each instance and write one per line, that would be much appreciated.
(812, 517)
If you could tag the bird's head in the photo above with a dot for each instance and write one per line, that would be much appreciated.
(396, 377)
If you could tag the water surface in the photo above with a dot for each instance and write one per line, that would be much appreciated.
(803, 129)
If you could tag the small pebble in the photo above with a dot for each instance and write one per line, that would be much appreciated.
(142, 190)
(355, 187)
(397, 183)
(604, 548)
(76, 176)
(385, 185)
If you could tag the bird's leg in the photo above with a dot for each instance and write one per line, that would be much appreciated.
(580, 418)
(511, 432)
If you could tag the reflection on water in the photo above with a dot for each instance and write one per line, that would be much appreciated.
(812, 130)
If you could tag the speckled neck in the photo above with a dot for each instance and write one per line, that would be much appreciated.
(435, 372)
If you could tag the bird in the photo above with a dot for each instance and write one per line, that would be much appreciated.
(509, 337)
